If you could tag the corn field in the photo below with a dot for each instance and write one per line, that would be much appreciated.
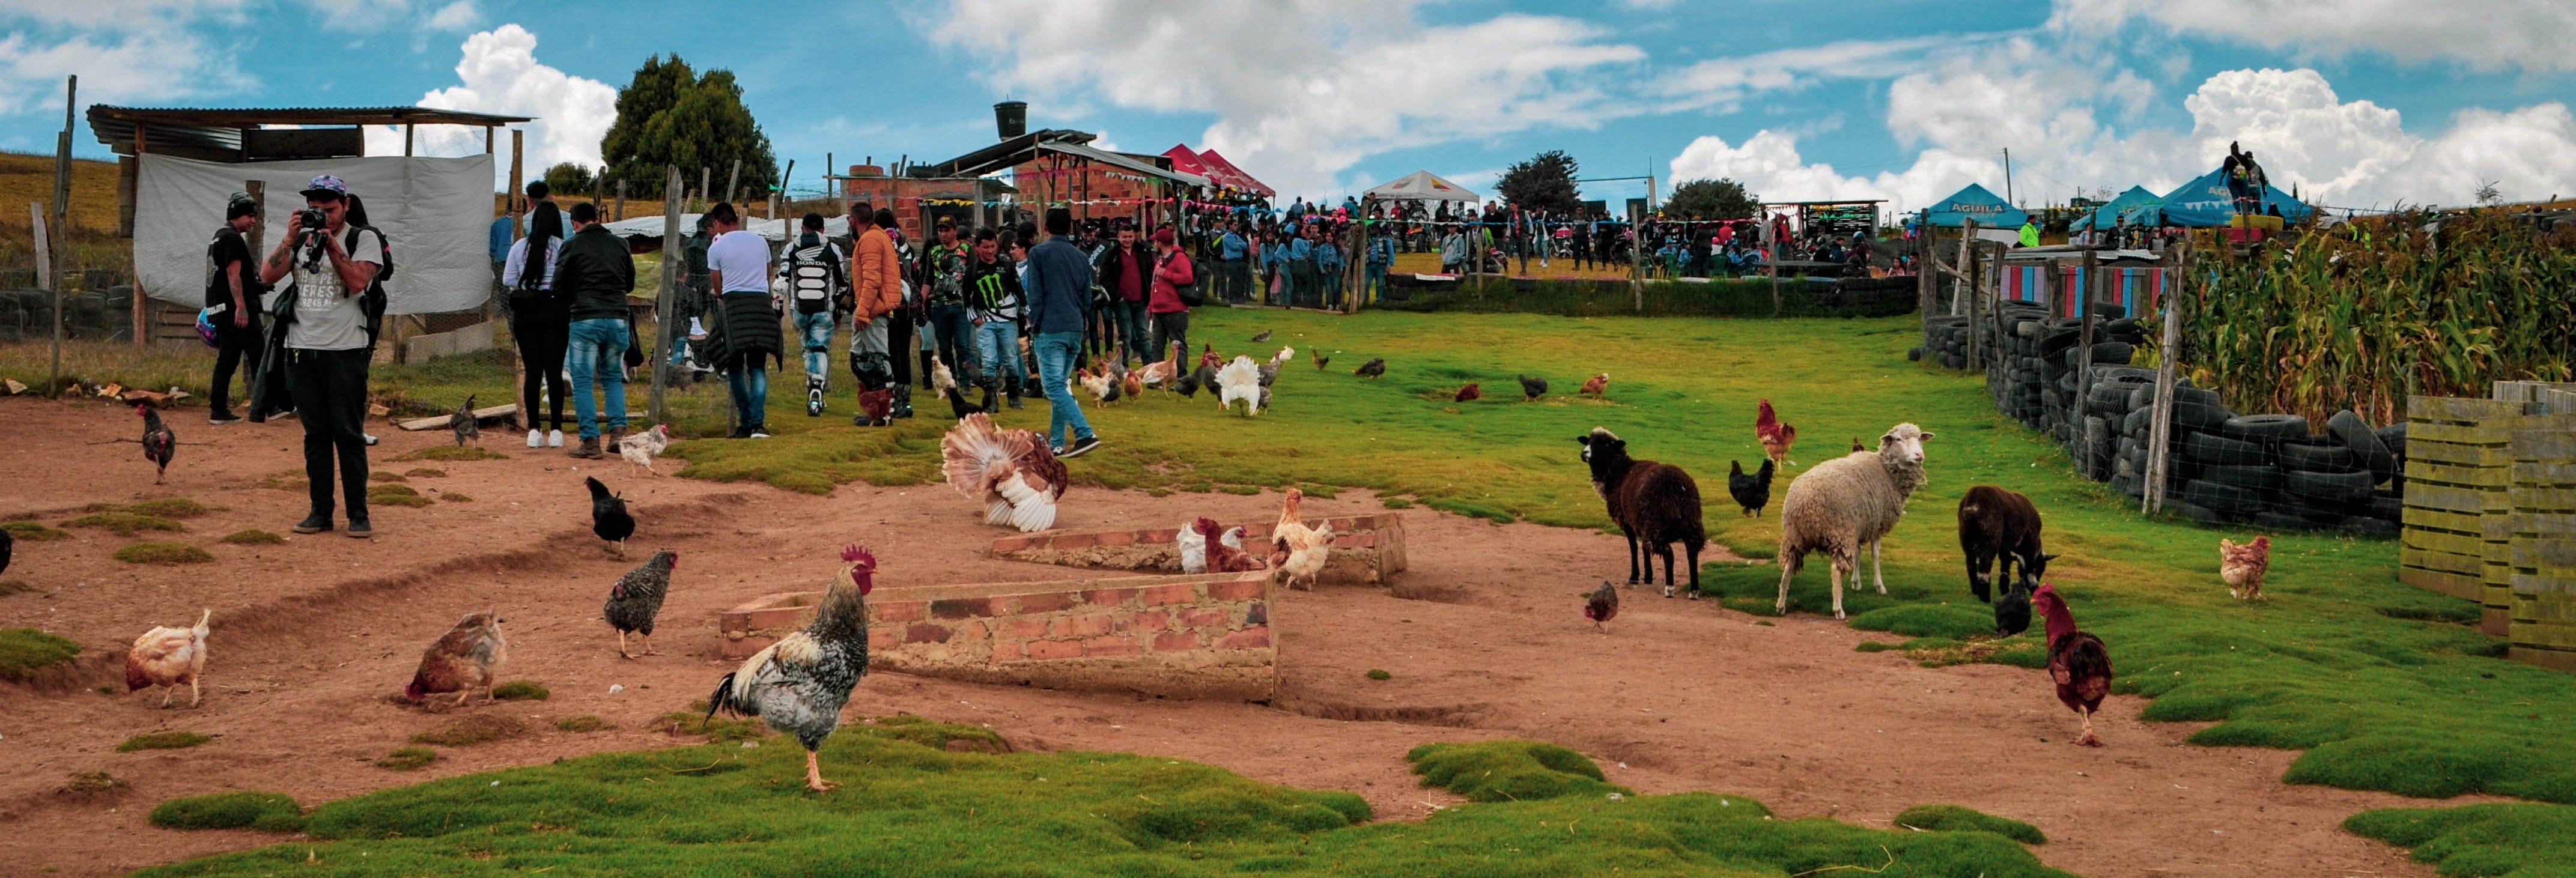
(2364, 314)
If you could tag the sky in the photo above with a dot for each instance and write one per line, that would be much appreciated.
(2359, 104)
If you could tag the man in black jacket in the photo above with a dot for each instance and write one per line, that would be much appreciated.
(1126, 270)
(594, 271)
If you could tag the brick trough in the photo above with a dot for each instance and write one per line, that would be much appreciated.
(1367, 549)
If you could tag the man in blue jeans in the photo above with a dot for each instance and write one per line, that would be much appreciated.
(594, 272)
(1059, 284)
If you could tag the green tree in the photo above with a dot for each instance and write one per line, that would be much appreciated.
(1544, 182)
(567, 178)
(1706, 199)
(669, 115)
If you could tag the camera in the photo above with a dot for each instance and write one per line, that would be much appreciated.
(314, 225)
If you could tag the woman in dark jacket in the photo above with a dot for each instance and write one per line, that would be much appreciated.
(540, 319)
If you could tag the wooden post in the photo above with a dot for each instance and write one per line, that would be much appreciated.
(141, 136)
(407, 137)
(621, 199)
(662, 295)
(45, 278)
(2084, 337)
(1976, 293)
(2161, 423)
(518, 180)
(1925, 281)
(1967, 254)
(706, 184)
(63, 168)
(487, 140)
(1637, 266)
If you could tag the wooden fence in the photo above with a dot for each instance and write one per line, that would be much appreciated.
(2491, 512)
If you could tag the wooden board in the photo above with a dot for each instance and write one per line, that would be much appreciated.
(2445, 582)
(2427, 495)
(2419, 450)
(2455, 409)
(2444, 542)
(484, 415)
(2463, 565)
(2489, 476)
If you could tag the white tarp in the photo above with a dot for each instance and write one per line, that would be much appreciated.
(834, 227)
(437, 212)
(1423, 186)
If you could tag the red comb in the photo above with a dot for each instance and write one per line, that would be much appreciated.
(854, 553)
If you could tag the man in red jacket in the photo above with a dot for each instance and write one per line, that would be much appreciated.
(876, 290)
(1172, 271)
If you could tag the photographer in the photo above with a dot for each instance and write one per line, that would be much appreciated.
(232, 297)
(325, 313)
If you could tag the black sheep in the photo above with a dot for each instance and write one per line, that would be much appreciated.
(1654, 504)
(1751, 492)
(1999, 527)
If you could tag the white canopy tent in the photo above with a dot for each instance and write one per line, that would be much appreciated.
(1423, 186)
(776, 230)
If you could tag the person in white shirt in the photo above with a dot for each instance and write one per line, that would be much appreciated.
(540, 320)
(739, 271)
(329, 339)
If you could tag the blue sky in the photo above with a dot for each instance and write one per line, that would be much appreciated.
(2359, 102)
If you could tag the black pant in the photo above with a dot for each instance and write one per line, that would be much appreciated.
(899, 344)
(1171, 327)
(331, 400)
(233, 345)
(543, 331)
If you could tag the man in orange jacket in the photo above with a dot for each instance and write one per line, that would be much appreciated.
(876, 292)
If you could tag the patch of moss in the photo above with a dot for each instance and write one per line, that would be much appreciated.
(1953, 621)
(1876, 646)
(24, 651)
(520, 690)
(168, 507)
(719, 730)
(455, 497)
(583, 723)
(938, 735)
(163, 741)
(2516, 840)
(1955, 818)
(124, 524)
(163, 553)
(33, 531)
(274, 812)
(1379, 674)
(384, 475)
(453, 453)
(1240, 490)
(90, 783)
(422, 472)
(407, 759)
(253, 537)
(397, 495)
(1510, 771)
(15, 586)
(1395, 502)
(466, 731)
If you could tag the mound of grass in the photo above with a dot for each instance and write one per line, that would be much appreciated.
(32, 531)
(396, 495)
(163, 553)
(938, 735)
(466, 731)
(1395, 503)
(162, 741)
(1955, 621)
(2510, 840)
(1957, 818)
(124, 524)
(253, 537)
(91, 783)
(407, 759)
(454, 497)
(168, 507)
(423, 472)
(452, 453)
(386, 475)
(583, 723)
(1509, 771)
(274, 812)
(520, 690)
(24, 651)
(907, 807)
(1380, 674)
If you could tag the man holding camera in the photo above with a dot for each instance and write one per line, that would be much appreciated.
(327, 313)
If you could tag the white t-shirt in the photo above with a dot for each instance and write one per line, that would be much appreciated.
(517, 266)
(326, 320)
(743, 256)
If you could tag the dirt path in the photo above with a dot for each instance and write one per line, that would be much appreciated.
(312, 636)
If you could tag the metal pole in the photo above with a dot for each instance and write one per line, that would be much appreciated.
(672, 262)
(2008, 193)
(1771, 259)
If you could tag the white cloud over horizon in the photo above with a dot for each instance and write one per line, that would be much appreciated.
(498, 72)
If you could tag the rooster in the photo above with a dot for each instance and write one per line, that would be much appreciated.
(2077, 661)
(608, 518)
(1776, 437)
(799, 684)
(1470, 393)
(1603, 604)
(1299, 552)
(1268, 372)
(641, 448)
(637, 598)
(1012, 471)
(1240, 380)
(1208, 357)
(1223, 547)
(1751, 492)
(1096, 379)
(2243, 566)
(159, 444)
(1321, 361)
(1533, 388)
(1264, 336)
(876, 407)
(1162, 374)
(1188, 385)
(1374, 368)
(463, 425)
(169, 657)
(1284, 355)
(467, 657)
(1598, 385)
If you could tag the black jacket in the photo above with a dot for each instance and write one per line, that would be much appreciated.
(1108, 270)
(594, 272)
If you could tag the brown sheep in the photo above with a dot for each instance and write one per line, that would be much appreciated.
(1654, 504)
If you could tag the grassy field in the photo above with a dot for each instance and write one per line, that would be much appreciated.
(909, 807)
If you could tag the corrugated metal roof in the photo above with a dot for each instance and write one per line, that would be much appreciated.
(1011, 152)
(203, 129)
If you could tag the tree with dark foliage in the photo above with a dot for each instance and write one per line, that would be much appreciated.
(1705, 199)
(1544, 182)
(672, 116)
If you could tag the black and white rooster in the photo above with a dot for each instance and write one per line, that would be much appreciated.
(799, 684)
(636, 600)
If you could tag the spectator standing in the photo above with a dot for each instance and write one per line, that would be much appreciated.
(1234, 277)
(1381, 255)
(877, 302)
(1303, 285)
(818, 289)
(1328, 269)
(1126, 271)
(540, 320)
(945, 267)
(1172, 271)
(739, 270)
(328, 313)
(1060, 278)
(232, 305)
(994, 295)
(596, 273)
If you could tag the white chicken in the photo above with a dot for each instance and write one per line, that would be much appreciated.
(1240, 380)
(640, 449)
(1298, 551)
(170, 657)
(1193, 549)
(941, 380)
(1284, 355)
(1012, 471)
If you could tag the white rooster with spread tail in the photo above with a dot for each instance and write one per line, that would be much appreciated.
(1240, 380)
(1012, 471)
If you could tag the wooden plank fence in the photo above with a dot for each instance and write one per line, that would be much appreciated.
(2459, 506)
(2543, 545)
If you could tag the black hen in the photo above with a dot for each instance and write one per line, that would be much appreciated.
(1533, 388)
(608, 516)
(1375, 367)
(1751, 492)
(159, 444)
(8, 545)
(1603, 604)
(1189, 384)
(957, 403)
(799, 684)
(463, 425)
(2012, 610)
(637, 598)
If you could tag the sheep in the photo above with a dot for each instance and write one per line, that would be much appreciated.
(1654, 504)
(1999, 527)
(1845, 504)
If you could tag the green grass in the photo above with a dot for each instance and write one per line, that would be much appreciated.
(423, 472)
(163, 553)
(24, 651)
(123, 523)
(169, 507)
(1380, 674)
(455, 497)
(274, 812)
(583, 723)
(2509, 841)
(16, 586)
(718, 729)
(407, 759)
(472, 729)
(908, 807)
(163, 741)
(395, 495)
(452, 453)
(1957, 818)
(1510, 771)
(253, 537)
(520, 690)
(32, 531)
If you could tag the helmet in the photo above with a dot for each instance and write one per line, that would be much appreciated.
(206, 326)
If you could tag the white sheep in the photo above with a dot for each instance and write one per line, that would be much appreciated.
(1847, 503)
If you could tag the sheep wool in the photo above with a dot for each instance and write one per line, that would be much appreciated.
(1849, 503)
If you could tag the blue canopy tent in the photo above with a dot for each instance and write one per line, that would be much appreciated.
(2204, 203)
(2108, 215)
(1976, 202)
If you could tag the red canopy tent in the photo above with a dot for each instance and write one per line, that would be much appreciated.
(1224, 173)
(1187, 162)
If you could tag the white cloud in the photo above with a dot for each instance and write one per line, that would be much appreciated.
(1724, 82)
(360, 16)
(1301, 90)
(499, 73)
(1769, 166)
(2486, 34)
(459, 15)
(125, 52)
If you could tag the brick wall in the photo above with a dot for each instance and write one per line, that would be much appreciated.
(1367, 549)
(1178, 636)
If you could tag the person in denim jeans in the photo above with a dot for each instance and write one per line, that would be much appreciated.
(818, 288)
(594, 272)
(993, 292)
(1059, 284)
(944, 271)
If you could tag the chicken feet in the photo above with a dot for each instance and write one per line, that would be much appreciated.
(814, 775)
(648, 645)
(2088, 740)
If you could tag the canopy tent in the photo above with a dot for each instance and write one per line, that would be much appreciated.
(1423, 186)
(1187, 162)
(1975, 202)
(2205, 202)
(1224, 173)
(2109, 213)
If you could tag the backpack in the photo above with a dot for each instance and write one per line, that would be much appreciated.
(814, 277)
(372, 302)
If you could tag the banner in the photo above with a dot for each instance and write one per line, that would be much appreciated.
(437, 212)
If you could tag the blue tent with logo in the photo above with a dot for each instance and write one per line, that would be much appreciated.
(2205, 202)
(2108, 215)
(1978, 203)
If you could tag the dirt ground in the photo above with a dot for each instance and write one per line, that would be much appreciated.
(311, 637)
